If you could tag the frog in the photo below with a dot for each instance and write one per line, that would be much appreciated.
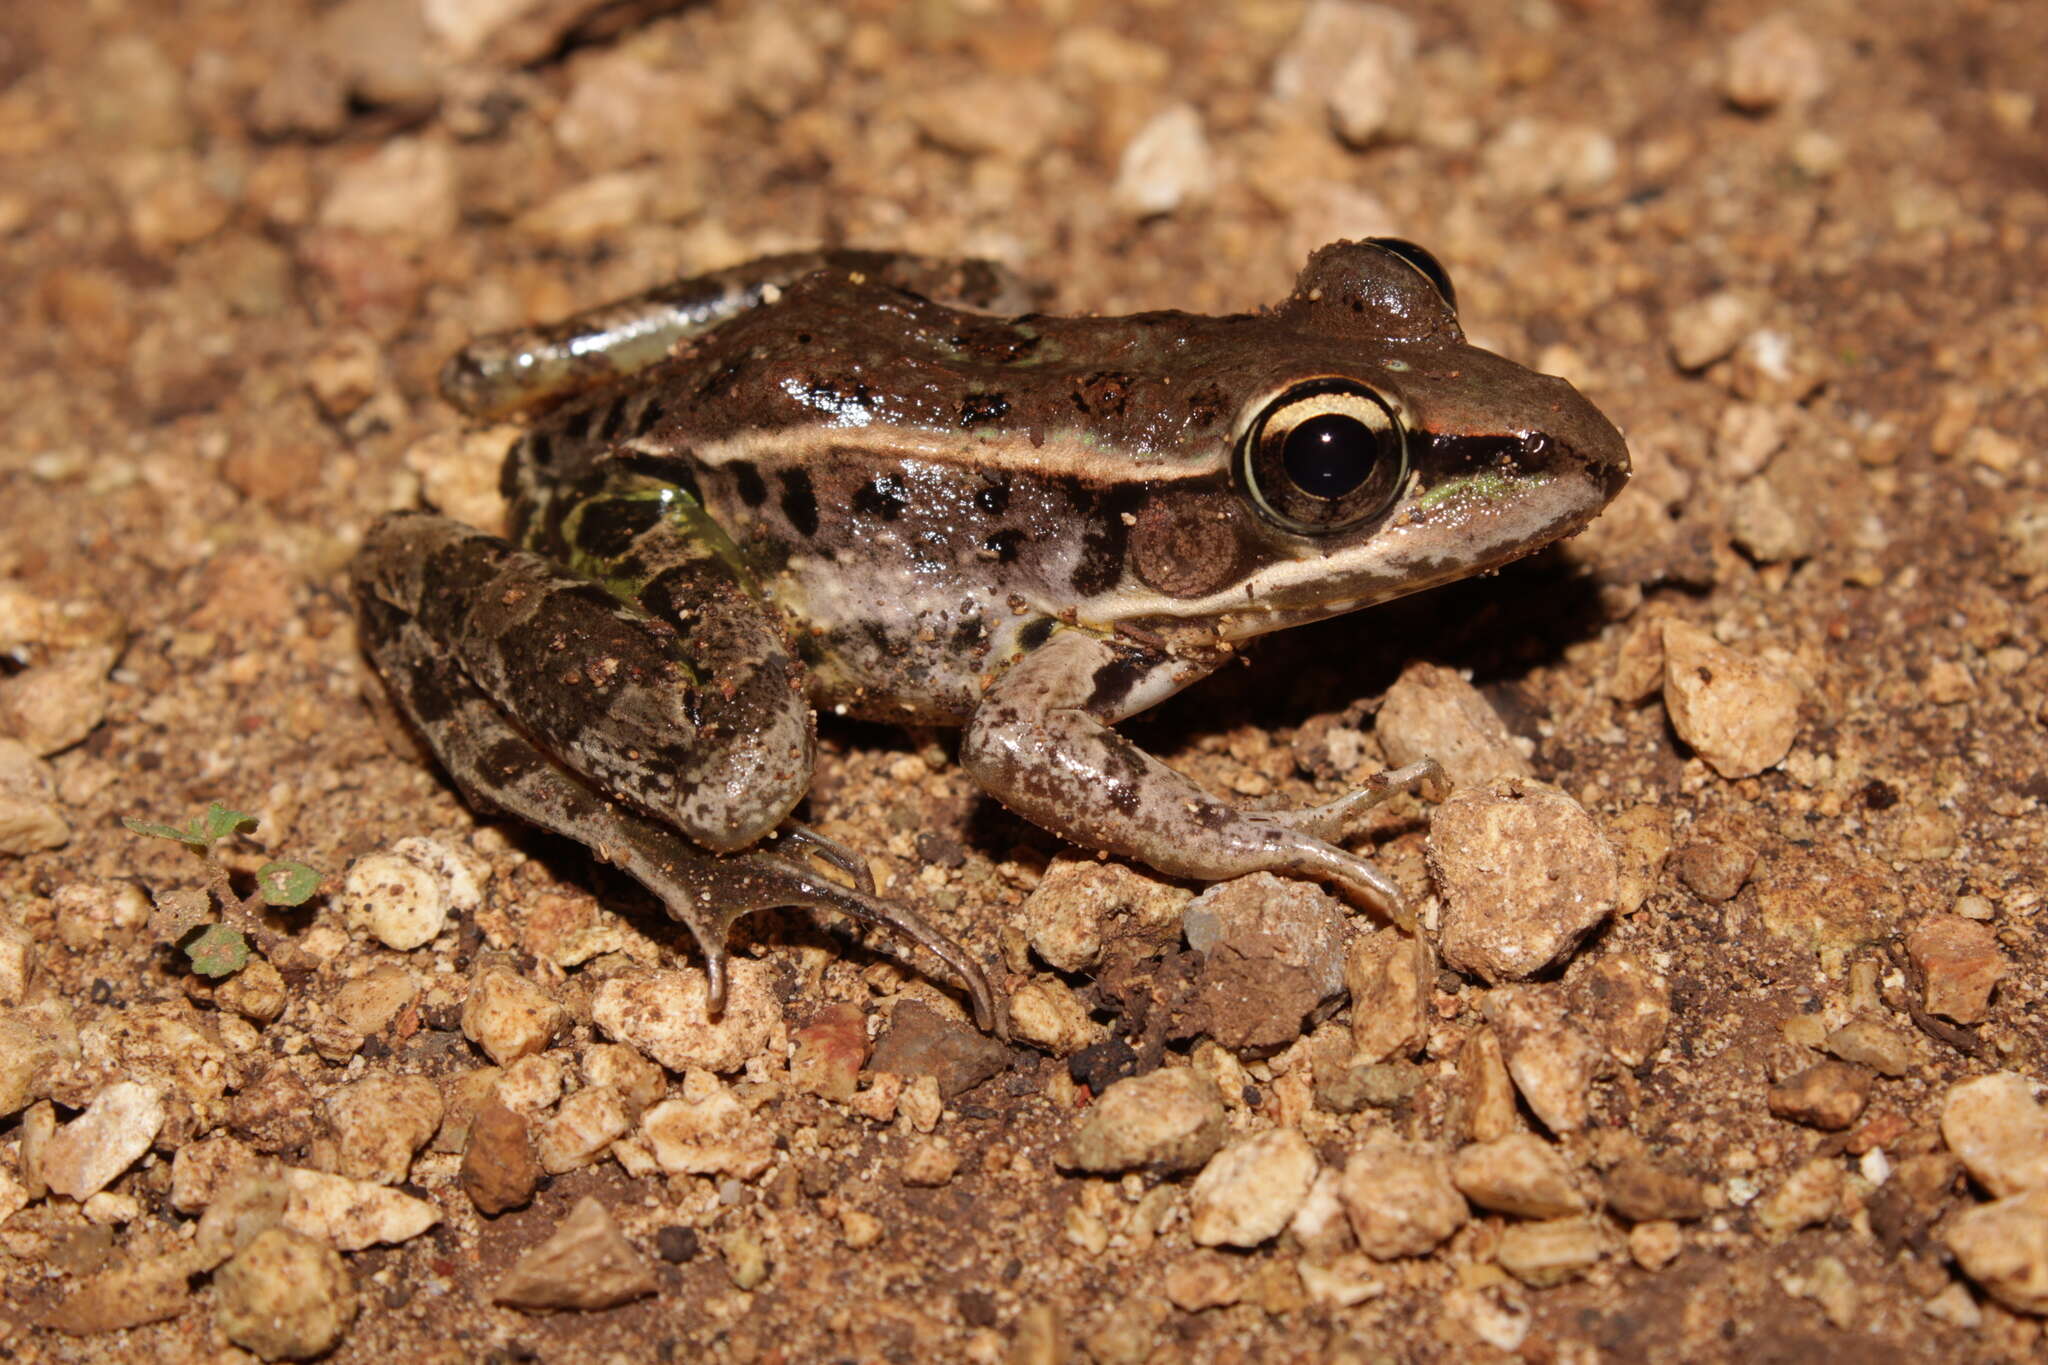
(886, 486)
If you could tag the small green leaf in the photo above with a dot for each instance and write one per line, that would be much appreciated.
(156, 831)
(220, 822)
(286, 883)
(218, 950)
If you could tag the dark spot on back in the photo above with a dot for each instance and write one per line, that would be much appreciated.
(799, 503)
(1004, 544)
(968, 633)
(1104, 394)
(1205, 405)
(1037, 633)
(651, 412)
(540, 450)
(609, 526)
(746, 481)
(993, 498)
(976, 408)
(882, 496)
(614, 420)
(576, 426)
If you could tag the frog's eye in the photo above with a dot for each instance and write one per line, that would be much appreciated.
(1324, 456)
(1425, 265)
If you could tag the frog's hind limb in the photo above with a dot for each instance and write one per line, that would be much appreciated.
(1041, 742)
(493, 754)
(530, 367)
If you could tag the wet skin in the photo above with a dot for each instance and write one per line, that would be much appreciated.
(851, 480)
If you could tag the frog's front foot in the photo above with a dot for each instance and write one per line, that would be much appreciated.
(1041, 742)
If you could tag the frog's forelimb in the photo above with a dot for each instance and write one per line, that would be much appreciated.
(1041, 742)
(502, 659)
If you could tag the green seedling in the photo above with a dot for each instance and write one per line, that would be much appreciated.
(219, 946)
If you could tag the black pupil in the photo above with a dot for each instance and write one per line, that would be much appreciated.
(1330, 455)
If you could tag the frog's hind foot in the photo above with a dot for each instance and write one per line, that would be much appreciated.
(499, 767)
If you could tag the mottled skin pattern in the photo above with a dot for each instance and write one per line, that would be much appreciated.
(833, 490)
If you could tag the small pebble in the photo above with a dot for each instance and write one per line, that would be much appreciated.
(1868, 1041)
(1273, 961)
(1655, 1244)
(1167, 1120)
(379, 1122)
(1551, 1059)
(707, 1131)
(830, 1050)
(1434, 712)
(1390, 976)
(586, 1263)
(1400, 1197)
(1080, 905)
(1525, 874)
(1828, 1095)
(284, 1296)
(1961, 962)
(1714, 868)
(510, 1017)
(1627, 1006)
(1250, 1190)
(499, 1170)
(406, 187)
(1519, 1174)
(86, 1154)
(1541, 1255)
(1646, 1193)
(667, 1016)
(1046, 1013)
(930, 1163)
(582, 1129)
(1809, 1195)
(1707, 329)
(2000, 1132)
(2003, 1246)
(1486, 1092)
(30, 819)
(1773, 63)
(349, 1215)
(1737, 713)
(1168, 164)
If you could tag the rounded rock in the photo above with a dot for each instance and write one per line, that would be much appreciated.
(284, 1296)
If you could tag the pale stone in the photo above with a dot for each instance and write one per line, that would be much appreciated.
(1737, 713)
(1550, 1253)
(1999, 1131)
(510, 1017)
(1169, 1120)
(707, 1132)
(1251, 1189)
(667, 1016)
(379, 1122)
(1519, 1174)
(88, 1153)
(582, 1129)
(1400, 1197)
(2003, 1246)
(352, 1214)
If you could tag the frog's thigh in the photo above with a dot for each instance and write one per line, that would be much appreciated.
(1036, 743)
(526, 366)
(708, 731)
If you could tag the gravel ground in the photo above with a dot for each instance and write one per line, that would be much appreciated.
(1722, 1036)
